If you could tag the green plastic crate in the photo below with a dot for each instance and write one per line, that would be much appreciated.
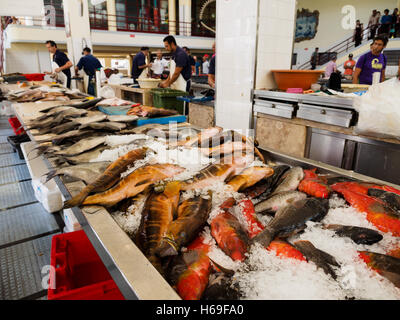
(166, 98)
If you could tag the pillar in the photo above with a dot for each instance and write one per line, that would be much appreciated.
(185, 17)
(253, 37)
(236, 43)
(77, 28)
(172, 17)
(111, 13)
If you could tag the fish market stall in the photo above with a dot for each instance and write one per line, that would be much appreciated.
(323, 129)
(163, 212)
(139, 95)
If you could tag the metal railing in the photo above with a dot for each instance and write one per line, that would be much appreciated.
(347, 45)
(103, 21)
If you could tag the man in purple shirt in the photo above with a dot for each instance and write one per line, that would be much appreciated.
(371, 62)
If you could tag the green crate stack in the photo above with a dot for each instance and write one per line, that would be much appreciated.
(166, 98)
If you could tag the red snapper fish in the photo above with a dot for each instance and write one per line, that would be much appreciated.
(380, 215)
(196, 265)
(314, 186)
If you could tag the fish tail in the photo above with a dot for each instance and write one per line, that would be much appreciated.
(48, 176)
(78, 199)
(264, 238)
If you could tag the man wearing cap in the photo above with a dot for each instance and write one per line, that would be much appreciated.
(139, 63)
(349, 67)
(206, 64)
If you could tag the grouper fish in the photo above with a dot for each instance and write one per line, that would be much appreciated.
(112, 172)
(293, 218)
(133, 184)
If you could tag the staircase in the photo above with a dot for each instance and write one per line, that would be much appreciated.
(347, 46)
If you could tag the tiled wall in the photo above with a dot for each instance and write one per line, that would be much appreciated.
(275, 43)
(236, 43)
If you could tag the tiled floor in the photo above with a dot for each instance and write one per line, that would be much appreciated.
(26, 228)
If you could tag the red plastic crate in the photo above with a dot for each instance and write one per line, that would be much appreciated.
(34, 76)
(79, 272)
(16, 125)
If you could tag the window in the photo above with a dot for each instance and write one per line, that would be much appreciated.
(142, 16)
(98, 16)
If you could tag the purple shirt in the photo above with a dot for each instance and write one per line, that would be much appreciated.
(369, 64)
(330, 68)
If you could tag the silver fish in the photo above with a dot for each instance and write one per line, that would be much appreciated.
(112, 126)
(87, 172)
(290, 180)
(81, 146)
(90, 119)
(278, 201)
(122, 118)
(86, 156)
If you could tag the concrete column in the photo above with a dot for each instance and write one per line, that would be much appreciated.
(185, 17)
(77, 28)
(235, 62)
(265, 32)
(172, 17)
(112, 19)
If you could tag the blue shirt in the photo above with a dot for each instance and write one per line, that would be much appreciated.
(138, 61)
(211, 69)
(89, 63)
(386, 19)
(61, 59)
(182, 60)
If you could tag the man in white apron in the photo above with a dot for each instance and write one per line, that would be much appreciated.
(180, 68)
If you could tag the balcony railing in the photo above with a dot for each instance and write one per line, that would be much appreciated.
(104, 21)
(101, 21)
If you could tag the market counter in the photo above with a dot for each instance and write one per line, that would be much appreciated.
(133, 273)
(331, 144)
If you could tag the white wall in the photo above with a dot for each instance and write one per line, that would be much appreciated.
(235, 62)
(330, 30)
(275, 40)
(27, 58)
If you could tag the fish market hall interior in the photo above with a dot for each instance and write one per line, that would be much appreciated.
(214, 150)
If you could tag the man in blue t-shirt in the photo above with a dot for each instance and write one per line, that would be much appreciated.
(90, 64)
(139, 63)
(182, 61)
(62, 61)
(371, 62)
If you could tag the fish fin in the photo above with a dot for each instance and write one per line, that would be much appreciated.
(226, 271)
(172, 188)
(146, 181)
(48, 176)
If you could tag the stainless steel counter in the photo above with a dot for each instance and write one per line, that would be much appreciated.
(337, 102)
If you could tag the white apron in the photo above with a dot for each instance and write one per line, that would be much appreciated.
(180, 83)
(60, 75)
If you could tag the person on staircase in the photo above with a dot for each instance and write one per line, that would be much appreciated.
(358, 34)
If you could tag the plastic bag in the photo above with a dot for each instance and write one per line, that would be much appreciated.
(379, 110)
(107, 92)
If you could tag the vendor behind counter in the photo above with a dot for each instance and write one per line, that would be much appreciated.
(90, 64)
